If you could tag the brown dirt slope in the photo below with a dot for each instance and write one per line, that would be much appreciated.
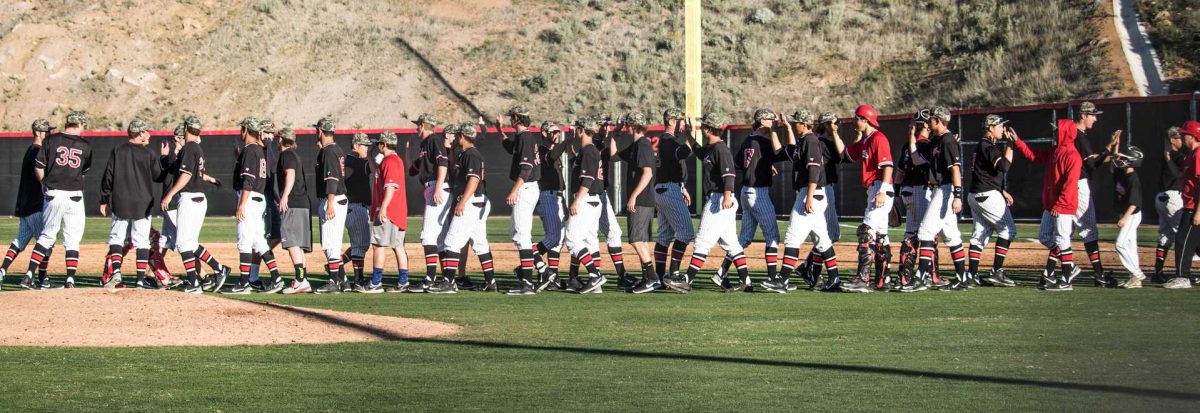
(296, 60)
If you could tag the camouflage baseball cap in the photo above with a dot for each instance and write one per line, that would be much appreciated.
(1173, 133)
(801, 116)
(940, 112)
(585, 122)
(192, 122)
(287, 133)
(673, 114)
(325, 124)
(250, 124)
(712, 120)
(179, 132)
(1089, 108)
(467, 130)
(137, 126)
(361, 139)
(993, 120)
(387, 137)
(425, 119)
(77, 118)
(549, 126)
(518, 110)
(266, 125)
(635, 118)
(827, 117)
(451, 129)
(763, 114)
(42, 125)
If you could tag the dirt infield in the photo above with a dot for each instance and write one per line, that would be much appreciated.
(1022, 255)
(95, 317)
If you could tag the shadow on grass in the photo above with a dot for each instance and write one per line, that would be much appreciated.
(973, 378)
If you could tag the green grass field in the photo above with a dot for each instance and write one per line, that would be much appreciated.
(987, 349)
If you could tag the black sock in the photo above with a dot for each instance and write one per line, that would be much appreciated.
(431, 260)
(189, 266)
(678, 248)
(203, 255)
(450, 265)
(272, 267)
(244, 260)
(772, 256)
(1093, 251)
(301, 272)
(1160, 257)
(1051, 262)
(648, 274)
(115, 258)
(925, 253)
(660, 258)
(39, 255)
(526, 271)
(72, 262)
(588, 261)
(791, 256)
(485, 261)
(1001, 253)
(618, 259)
(960, 262)
(143, 261)
(10, 255)
(829, 261)
(974, 254)
(574, 271)
(696, 264)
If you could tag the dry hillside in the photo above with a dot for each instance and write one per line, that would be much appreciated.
(373, 62)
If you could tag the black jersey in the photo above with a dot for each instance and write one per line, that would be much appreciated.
(944, 154)
(128, 183)
(191, 162)
(1129, 191)
(526, 163)
(470, 165)
(290, 160)
(1172, 169)
(330, 171)
(586, 169)
(808, 162)
(66, 160)
(251, 169)
(431, 155)
(602, 144)
(833, 157)
(170, 171)
(672, 158)
(29, 192)
(718, 166)
(271, 152)
(914, 174)
(359, 178)
(551, 152)
(1085, 150)
(988, 167)
(757, 156)
(640, 155)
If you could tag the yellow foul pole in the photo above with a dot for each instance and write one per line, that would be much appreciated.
(692, 39)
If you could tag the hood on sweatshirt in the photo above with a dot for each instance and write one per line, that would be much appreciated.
(1067, 132)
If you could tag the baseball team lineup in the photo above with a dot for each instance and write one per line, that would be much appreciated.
(562, 175)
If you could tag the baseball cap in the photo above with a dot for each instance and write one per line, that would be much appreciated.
(387, 137)
(137, 126)
(993, 120)
(77, 118)
(425, 119)
(179, 132)
(450, 129)
(712, 120)
(801, 116)
(548, 126)
(1089, 108)
(940, 112)
(518, 110)
(673, 114)
(266, 125)
(41, 125)
(763, 114)
(192, 122)
(467, 129)
(325, 124)
(287, 133)
(827, 117)
(1173, 133)
(635, 118)
(361, 139)
(250, 124)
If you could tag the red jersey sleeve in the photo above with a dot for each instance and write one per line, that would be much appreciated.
(854, 150)
(881, 150)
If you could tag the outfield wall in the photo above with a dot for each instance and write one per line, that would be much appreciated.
(1144, 119)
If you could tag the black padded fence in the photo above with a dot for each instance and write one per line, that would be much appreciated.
(1143, 120)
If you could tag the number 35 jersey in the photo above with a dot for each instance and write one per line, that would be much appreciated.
(66, 159)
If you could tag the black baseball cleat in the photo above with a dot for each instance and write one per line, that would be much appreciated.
(832, 285)
(573, 285)
(771, 284)
(678, 284)
(443, 286)
(523, 288)
(982, 281)
(645, 286)
(998, 279)
(257, 285)
(27, 282)
(958, 285)
(856, 285)
(594, 284)
(1105, 280)
(1061, 285)
(464, 283)
(549, 279)
(626, 282)
(775, 288)
(1070, 278)
(488, 287)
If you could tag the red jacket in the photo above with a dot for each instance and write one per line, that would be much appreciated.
(1060, 183)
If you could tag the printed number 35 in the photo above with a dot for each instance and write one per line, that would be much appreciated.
(68, 157)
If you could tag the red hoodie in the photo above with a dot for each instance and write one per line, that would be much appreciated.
(1060, 183)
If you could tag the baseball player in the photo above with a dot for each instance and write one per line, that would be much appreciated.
(273, 217)
(525, 171)
(1085, 221)
(827, 132)
(671, 196)
(1168, 202)
(166, 236)
(469, 224)
(756, 161)
(808, 216)
(605, 140)
(127, 194)
(295, 217)
(389, 214)
(1060, 201)
(643, 161)
(1185, 244)
(913, 175)
(187, 192)
(551, 206)
(717, 221)
(945, 201)
(1129, 199)
(331, 213)
(62, 164)
(251, 181)
(29, 201)
(431, 168)
(359, 170)
(990, 201)
(872, 150)
(586, 207)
